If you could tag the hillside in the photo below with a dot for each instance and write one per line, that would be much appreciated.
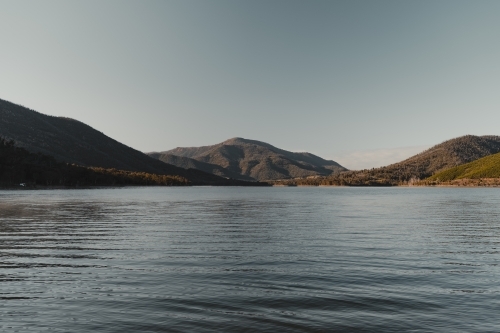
(71, 141)
(446, 155)
(486, 167)
(250, 159)
(18, 166)
(190, 163)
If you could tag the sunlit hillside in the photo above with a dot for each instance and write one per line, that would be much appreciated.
(486, 167)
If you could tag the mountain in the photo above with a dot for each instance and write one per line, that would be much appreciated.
(446, 155)
(250, 159)
(72, 141)
(486, 167)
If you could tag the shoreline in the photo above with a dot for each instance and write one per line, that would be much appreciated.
(97, 187)
(100, 187)
(394, 186)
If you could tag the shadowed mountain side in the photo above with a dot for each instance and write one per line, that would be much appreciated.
(189, 163)
(18, 166)
(71, 141)
(446, 155)
(259, 160)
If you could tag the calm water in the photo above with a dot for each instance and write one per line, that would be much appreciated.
(250, 260)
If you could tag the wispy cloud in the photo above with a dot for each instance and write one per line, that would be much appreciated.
(367, 159)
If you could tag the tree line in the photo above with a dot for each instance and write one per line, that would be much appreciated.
(18, 166)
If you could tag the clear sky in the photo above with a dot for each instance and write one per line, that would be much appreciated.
(350, 80)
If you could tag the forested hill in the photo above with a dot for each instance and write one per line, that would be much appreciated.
(18, 166)
(71, 141)
(250, 159)
(446, 155)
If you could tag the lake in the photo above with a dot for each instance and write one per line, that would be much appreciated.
(233, 259)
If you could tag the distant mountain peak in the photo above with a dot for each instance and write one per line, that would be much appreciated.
(239, 140)
(250, 158)
(234, 140)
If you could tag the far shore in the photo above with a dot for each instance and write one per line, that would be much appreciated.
(455, 184)
(50, 187)
(465, 182)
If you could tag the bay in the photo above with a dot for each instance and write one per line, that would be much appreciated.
(232, 259)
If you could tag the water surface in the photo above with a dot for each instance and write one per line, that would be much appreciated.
(211, 259)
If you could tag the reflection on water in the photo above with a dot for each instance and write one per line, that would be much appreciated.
(250, 260)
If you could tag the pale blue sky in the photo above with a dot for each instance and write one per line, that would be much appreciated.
(335, 78)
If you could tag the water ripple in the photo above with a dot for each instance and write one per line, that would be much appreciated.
(250, 260)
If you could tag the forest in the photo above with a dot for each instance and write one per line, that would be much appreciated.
(18, 166)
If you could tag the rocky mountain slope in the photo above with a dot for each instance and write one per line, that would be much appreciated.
(71, 141)
(250, 159)
(446, 155)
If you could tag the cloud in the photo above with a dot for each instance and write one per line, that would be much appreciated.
(367, 159)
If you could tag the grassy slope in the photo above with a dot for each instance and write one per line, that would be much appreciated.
(486, 167)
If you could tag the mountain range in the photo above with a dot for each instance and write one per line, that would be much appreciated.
(236, 161)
